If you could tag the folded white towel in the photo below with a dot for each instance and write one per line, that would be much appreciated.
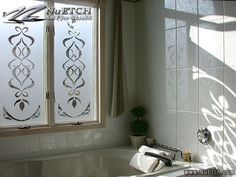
(144, 149)
(146, 164)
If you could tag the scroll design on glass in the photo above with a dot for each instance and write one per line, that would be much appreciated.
(63, 113)
(73, 68)
(21, 67)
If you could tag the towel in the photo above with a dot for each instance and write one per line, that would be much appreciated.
(146, 164)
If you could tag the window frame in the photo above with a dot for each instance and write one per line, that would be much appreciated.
(48, 80)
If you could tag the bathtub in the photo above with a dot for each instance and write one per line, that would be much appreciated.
(100, 163)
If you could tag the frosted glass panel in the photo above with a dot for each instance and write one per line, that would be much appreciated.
(21, 88)
(74, 67)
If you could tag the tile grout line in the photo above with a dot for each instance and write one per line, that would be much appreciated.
(205, 67)
(176, 80)
(10, 145)
(176, 27)
(186, 111)
(198, 94)
(68, 148)
(224, 70)
(92, 136)
(40, 149)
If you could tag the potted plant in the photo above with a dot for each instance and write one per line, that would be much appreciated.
(138, 127)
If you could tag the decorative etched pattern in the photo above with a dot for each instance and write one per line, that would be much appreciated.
(73, 67)
(21, 67)
(64, 114)
(8, 116)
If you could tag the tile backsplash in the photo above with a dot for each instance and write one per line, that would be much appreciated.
(185, 74)
(63, 142)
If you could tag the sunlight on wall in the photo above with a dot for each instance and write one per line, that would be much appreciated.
(218, 19)
(202, 26)
(220, 106)
(211, 41)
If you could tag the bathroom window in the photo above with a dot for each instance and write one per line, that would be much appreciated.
(52, 65)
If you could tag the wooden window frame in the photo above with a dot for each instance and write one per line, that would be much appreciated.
(49, 79)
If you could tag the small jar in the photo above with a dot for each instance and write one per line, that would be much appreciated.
(187, 156)
(150, 142)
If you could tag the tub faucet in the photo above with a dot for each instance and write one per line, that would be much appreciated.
(175, 150)
(166, 160)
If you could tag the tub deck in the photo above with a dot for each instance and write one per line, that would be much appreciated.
(111, 162)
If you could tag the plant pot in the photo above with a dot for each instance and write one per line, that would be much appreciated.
(137, 141)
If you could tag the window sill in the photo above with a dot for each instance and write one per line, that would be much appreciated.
(4, 132)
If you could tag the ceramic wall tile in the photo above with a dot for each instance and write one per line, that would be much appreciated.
(186, 12)
(229, 169)
(52, 143)
(170, 14)
(165, 129)
(187, 125)
(205, 78)
(80, 140)
(187, 47)
(211, 87)
(211, 154)
(101, 138)
(229, 154)
(230, 116)
(230, 33)
(5, 147)
(170, 90)
(170, 48)
(21, 145)
(211, 33)
(187, 90)
(230, 44)
(116, 133)
(211, 48)
(211, 10)
(230, 92)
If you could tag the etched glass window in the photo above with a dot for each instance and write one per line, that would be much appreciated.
(21, 78)
(75, 64)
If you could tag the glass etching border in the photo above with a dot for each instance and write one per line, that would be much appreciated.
(21, 67)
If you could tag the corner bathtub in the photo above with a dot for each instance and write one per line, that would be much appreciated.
(99, 163)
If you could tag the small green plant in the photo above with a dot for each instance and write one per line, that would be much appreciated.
(138, 126)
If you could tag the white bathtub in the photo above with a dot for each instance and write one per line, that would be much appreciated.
(100, 163)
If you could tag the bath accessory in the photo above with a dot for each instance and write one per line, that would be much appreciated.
(149, 159)
(187, 156)
(150, 142)
(203, 135)
(137, 141)
(159, 154)
(146, 164)
(175, 150)
(143, 149)
(138, 127)
(166, 160)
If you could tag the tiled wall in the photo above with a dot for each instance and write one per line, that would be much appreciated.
(52, 143)
(186, 74)
(116, 131)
